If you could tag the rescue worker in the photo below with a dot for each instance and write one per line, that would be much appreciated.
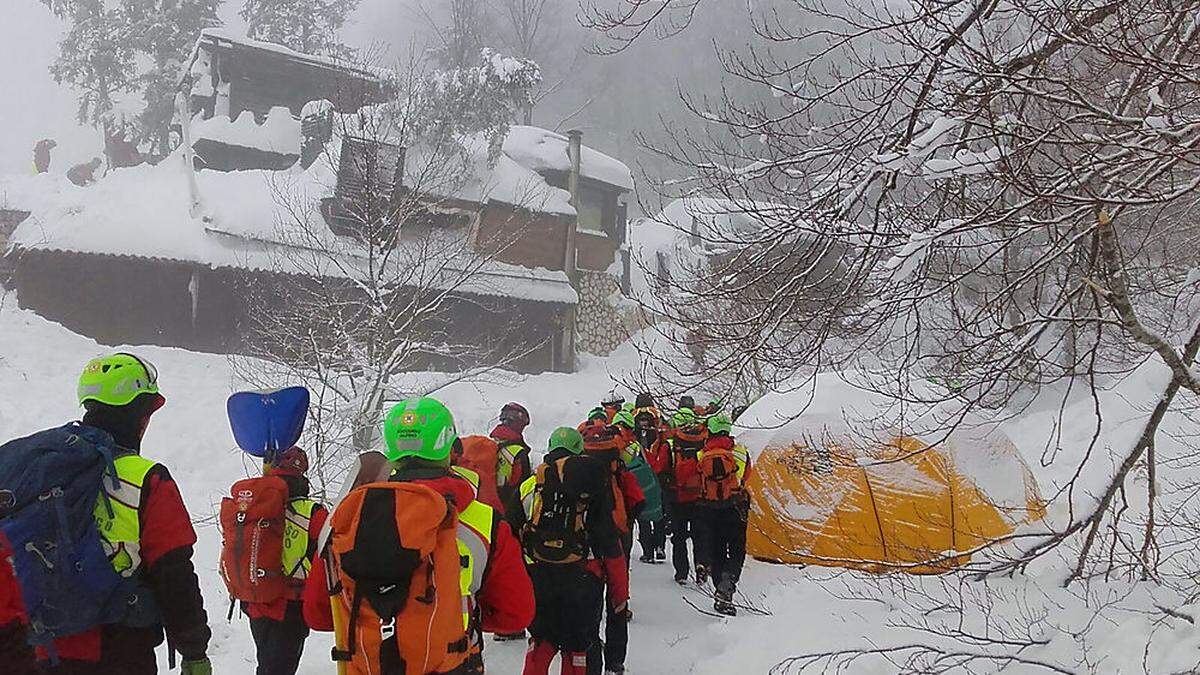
(570, 593)
(649, 520)
(612, 404)
(41, 155)
(605, 443)
(683, 489)
(494, 582)
(148, 535)
(654, 438)
(723, 511)
(278, 627)
(512, 468)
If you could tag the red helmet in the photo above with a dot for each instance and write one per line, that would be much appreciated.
(292, 462)
(514, 416)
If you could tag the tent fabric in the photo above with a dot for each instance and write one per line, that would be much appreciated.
(892, 503)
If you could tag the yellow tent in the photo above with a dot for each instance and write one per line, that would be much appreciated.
(889, 503)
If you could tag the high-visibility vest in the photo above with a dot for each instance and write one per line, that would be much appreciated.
(121, 532)
(507, 460)
(474, 535)
(297, 556)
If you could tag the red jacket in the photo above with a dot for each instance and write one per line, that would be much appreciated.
(11, 607)
(276, 610)
(505, 600)
(166, 544)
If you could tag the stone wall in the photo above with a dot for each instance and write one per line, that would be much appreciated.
(601, 324)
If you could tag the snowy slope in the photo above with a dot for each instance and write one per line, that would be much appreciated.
(811, 610)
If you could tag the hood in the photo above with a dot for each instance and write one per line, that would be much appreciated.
(507, 435)
(454, 488)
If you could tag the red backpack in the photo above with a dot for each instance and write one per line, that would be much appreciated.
(252, 539)
(685, 445)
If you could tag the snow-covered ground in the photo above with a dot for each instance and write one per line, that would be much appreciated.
(802, 611)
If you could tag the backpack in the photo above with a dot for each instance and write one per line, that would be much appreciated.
(51, 487)
(481, 455)
(554, 532)
(718, 475)
(686, 445)
(395, 548)
(252, 539)
(648, 481)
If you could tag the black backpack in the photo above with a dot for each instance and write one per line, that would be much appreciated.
(555, 531)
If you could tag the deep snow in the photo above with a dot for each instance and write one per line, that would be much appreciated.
(812, 610)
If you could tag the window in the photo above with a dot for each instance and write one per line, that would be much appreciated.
(591, 210)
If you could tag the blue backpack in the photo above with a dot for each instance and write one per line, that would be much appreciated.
(49, 486)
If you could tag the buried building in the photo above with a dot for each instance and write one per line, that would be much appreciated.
(279, 194)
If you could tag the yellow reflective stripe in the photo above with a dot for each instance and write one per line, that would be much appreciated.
(742, 457)
(474, 547)
(464, 472)
(297, 518)
(120, 533)
(527, 491)
(508, 459)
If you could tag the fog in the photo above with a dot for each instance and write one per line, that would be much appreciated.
(610, 98)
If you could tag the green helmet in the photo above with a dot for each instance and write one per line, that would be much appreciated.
(568, 439)
(598, 413)
(719, 424)
(419, 427)
(627, 407)
(117, 379)
(684, 417)
(624, 418)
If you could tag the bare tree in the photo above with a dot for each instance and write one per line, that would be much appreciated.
(387, 276)
(1010, 189)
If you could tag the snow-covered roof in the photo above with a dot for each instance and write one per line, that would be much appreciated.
(544, 150)
(145, 212)
(507, 180)
(220, 38)
(280, 133)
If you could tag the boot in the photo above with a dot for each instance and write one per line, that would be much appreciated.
(574, 663)
(614, 670)
(538, 658)
(723, 598)
(660, 555)
(647, 557)
(701, 575)
(681, 579)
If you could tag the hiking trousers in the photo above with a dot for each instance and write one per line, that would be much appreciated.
(723, 534)
(16, 656)
(683, 528)
(652, 535)
(280, 643)
(569, 603)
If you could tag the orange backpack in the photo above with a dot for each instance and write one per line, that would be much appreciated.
(395, 549)
(718, 475)
(481, 455)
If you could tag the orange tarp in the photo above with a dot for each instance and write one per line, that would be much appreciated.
(895, 506)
